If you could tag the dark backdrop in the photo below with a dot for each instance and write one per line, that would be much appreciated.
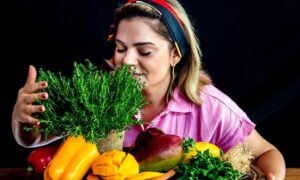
(250, 49)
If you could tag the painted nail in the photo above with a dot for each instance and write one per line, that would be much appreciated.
(42, 108)
(44, 84)
(43, 96)
(37, 124)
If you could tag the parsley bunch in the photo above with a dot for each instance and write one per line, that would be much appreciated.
(205, 166)
(92, 103)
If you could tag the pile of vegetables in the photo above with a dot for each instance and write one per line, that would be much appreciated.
(156, 156)
(157, 151)
(77, 158)
(91, 103)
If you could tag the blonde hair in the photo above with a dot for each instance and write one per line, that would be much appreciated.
(189, 76)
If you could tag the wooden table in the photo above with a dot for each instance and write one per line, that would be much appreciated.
(292, 174)
(22, 174)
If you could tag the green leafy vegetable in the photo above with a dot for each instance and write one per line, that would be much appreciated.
(205, 166)
(188, 144)
(92, 103)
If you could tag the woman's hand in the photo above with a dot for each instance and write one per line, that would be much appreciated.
(24, 107)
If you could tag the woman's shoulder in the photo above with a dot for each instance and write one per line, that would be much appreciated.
(213, 97)
(212, 91)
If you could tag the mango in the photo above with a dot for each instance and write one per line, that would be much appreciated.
(156, 151)
(115, 165)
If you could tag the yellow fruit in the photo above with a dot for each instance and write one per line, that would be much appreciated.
(129, 166)
(202, 146)
(145, 175)
(115, 165)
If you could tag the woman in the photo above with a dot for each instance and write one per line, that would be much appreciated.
(157, 39)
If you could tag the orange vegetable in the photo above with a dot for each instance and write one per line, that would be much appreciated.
(72, 160)
(81, 162)
(46, 173)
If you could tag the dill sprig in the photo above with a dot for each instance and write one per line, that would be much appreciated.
(92, 103)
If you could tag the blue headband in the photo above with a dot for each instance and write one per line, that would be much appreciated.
(172, 22)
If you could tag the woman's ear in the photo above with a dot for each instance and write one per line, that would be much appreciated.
(175, 57)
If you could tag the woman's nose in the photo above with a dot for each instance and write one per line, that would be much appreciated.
(130, 58)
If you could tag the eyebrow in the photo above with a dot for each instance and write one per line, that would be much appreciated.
(136, 44)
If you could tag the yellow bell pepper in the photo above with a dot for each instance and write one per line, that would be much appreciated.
(72, 160)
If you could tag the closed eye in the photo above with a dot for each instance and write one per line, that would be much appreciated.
(119, 50)
(144, 53)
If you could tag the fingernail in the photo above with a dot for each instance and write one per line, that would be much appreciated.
(42, 108)
(44, 84)
(44, 96)
(37, 124)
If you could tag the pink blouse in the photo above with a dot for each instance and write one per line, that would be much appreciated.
(218, 120)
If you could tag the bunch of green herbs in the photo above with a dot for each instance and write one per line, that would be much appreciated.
(91, 103)
(204, 166)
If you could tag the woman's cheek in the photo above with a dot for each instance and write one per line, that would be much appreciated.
(118, 60)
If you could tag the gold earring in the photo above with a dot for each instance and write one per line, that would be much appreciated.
(173, 72)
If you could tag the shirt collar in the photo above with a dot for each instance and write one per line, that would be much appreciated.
(179, 103)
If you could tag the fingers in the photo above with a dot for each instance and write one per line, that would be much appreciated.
(24, 109)
(29, 119)
(30, 98)
(31, 75)
(30, 85)
(30, 109)
(24, 114)
(30, 88)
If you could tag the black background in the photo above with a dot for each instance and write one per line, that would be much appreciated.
(250, 49)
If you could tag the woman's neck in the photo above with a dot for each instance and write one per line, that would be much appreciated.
(156, 98)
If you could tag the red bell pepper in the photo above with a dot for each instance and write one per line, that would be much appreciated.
(39, 158)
